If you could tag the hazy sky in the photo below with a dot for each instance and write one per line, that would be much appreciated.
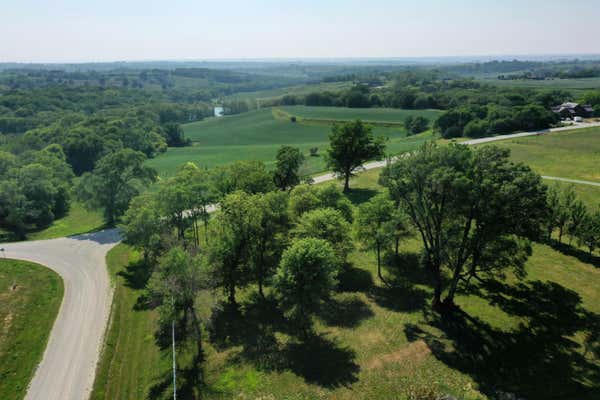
(106, 30)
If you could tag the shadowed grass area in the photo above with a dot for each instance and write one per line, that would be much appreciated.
(78, 220)
(30, 297)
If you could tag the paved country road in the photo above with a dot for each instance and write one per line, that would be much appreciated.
(69, 363)
(578, 181)
(577, 125)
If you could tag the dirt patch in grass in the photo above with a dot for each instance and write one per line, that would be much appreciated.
(415, 352)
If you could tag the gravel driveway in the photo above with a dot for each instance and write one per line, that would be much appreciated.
(69, 363)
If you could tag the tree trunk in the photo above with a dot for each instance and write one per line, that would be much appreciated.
(560, 234)
(260, 286)
(346, 182)
(231, 296)
(196, 323)
(397, 245)
(206, 230)
(437, 292)
(449, 300)
(379, 263)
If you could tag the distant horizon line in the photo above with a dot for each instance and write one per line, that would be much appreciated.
(413, 59)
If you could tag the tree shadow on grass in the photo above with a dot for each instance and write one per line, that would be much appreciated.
(189, 384)
(136, 275)
(232, 326)
(401, 293)
(346, 313)
(406, 269)
(254, 325)
(406, 298)
(321, 361)
(359, 196)
(353, 279)
(579, 254)
(536, 360)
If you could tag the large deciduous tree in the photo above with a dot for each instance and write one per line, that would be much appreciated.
(287, 169)
(379, 225)
(117, 178)
(270, 235)
(143, 227)
(474, 211)
(229, 254)
(350, 145)
(306, 276)
(175, 285)
(327, 224)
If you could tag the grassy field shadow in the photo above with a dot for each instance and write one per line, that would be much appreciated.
(537, 360)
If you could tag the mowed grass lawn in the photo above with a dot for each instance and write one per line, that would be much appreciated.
(374, 342)
(30, 297)
(256, 135)
(571, 154)
(130, 364)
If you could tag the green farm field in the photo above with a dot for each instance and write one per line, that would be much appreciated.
(30, 297)
(299, 90)
(574, 84)
(256, 135)
(383, 115)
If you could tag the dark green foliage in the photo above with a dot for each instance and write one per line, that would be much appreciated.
(476, 121)
(474, 211)
(117, 178)
(174, 135)
(589, 231)
(249, 176)
(304, 198)
(350, 145)
(287, 169)
(175, 285)
(379, 224)
(231, 244)
(34, 189)
(306, 276)
(416, 124)
(327, 224)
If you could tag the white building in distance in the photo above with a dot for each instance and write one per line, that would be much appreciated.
(219, 112)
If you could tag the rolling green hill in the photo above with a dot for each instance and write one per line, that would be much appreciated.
(256, 135)
(384, 115)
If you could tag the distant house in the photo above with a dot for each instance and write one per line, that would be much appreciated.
(219, 111)
(572, 110)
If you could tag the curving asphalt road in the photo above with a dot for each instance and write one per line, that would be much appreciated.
(69, 363)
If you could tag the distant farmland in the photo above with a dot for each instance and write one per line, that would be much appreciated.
(256, 135)
(384, 115)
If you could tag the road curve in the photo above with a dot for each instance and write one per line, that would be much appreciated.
(68, 366)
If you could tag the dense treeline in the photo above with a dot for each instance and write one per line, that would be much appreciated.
(35, 188)
(472, 108)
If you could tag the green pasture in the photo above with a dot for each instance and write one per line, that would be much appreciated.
(30, 297)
